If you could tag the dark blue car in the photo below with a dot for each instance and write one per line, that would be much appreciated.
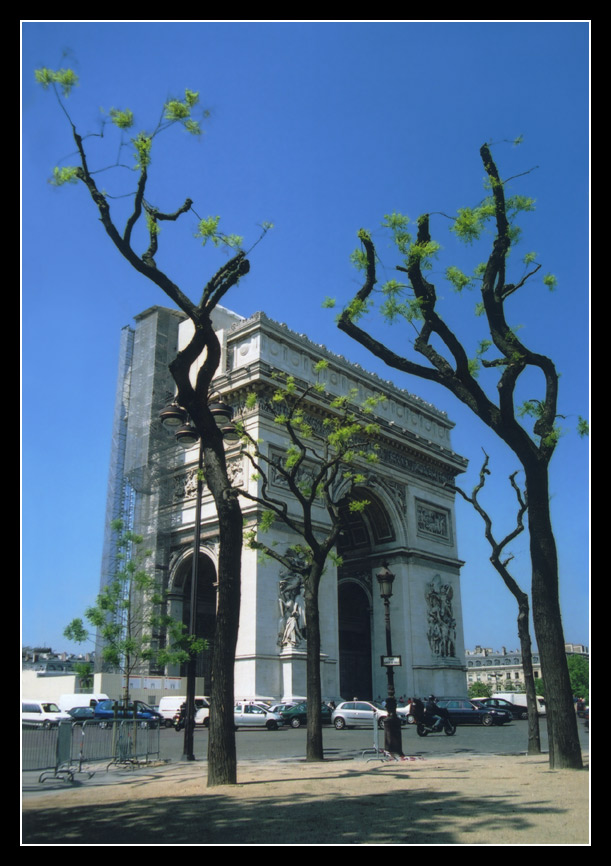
(465, 712)
(108, 710)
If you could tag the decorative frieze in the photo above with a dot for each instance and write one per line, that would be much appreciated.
(185, 483)
(433, 521)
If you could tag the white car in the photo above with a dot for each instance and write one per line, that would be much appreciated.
(349, 714)
(45, 713)
(248, 714)
(280, 708)
(202, 716)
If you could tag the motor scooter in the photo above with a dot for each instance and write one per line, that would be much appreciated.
(426, 724)
(180, 718)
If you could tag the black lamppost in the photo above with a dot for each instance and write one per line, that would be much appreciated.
(392, 723)
(174, 417)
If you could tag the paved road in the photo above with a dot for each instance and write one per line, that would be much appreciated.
(288, 743)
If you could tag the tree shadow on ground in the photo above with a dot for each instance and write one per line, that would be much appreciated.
(404, 817)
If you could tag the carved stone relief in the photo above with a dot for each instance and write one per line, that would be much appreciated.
(432, 521)
(291, 605)
(441, 632)
(185, 483)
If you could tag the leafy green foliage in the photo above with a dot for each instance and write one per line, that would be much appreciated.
(480, 690)
(66, 79)
(470, 222)
(128, 614)
(143, 144)
(208, 230)
(583, 427)
(84, 672)
(358, 258)
(397, 223)
(579, 673)
(180, 111)
(459, 280)
(122, 119)
(67, 174)
(317, 454)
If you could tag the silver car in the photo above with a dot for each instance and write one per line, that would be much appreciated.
(248, 714)
(352, 713)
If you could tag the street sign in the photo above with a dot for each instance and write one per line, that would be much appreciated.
(391, 661)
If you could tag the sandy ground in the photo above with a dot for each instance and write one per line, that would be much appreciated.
(447, 801)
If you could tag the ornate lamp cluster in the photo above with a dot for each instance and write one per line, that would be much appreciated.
(175, 418)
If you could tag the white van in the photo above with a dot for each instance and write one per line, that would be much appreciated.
(45, 713)
(85, 699)
(170, 705)
(520, 698)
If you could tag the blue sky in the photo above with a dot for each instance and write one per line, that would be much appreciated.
(320, 128)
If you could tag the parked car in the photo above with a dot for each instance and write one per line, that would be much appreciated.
(202, 717)
(45, 713)
(464, 712)
(298, 715)
(286, 705)
(169, 706)
(82, 699)
(81, 714)
(108, 710)
(248, 714)
(405, 715)
(517, 710)
(349, 714)
(520, 698)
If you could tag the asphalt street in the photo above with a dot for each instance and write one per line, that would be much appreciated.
(288, 743)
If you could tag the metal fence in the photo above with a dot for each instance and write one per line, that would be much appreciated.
(64, 749)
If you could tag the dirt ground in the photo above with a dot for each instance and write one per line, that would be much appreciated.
(447, 801)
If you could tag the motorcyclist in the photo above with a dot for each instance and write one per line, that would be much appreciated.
(433, 713)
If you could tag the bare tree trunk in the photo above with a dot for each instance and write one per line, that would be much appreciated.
(314, 746)
(222, 761)
(564, 749)
(534, 735)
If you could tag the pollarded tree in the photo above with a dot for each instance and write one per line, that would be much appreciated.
(501, 566)
(447, 362)
(324, 463)
(129, 616)
(191, 395)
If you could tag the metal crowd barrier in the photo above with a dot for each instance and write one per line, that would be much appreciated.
(62, 750)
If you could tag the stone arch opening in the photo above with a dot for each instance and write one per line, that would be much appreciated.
(354, 626)
(363, 531)
(205, 616)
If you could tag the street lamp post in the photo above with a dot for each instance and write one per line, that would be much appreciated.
(175, 417)
(392, 723)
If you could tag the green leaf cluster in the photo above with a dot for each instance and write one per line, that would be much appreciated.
(122, 119)
(397, 223)
(128, 611)
(423, 253)
(208, 230)
(143, 144)
(66, 174)
(179, 111)
(66, 79)
(471, 222)
(458, 279)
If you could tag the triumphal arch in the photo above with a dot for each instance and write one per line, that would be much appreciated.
(408, 526)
